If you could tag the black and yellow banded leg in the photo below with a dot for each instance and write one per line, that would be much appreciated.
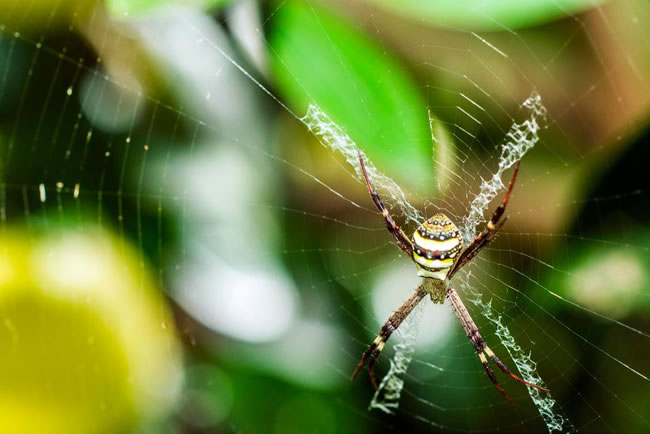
(484, 352)
(493, 227)
(491, 376)
(395, 320)
(506, 371)
(398, 234)
(372, 353)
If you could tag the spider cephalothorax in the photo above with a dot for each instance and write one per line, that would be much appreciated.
(436, 245)
(437, 250)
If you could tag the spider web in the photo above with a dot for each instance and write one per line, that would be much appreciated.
(185, 172)
(519, 140)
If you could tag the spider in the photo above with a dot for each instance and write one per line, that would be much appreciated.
(436, 249)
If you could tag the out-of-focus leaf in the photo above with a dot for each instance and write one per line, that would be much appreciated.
(317, 57)
(612, 281)
(487, 15)
(87, 343)
(19, 15)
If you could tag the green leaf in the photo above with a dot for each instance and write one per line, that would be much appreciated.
(120, 8)
(487, 15)
(317, 57)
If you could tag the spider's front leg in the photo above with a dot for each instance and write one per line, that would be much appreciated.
(372, 353)
(402, 240)
(493, 227)
(481, 347)
(395, 320)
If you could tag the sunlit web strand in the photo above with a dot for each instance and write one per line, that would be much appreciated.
(558, 296)
(510, 287)
(242, 70)
(620, 362)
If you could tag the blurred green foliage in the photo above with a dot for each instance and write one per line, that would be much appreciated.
(356, 82)
(488, 15)
(124, 8)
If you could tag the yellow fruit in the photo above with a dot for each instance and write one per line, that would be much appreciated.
(86, 340)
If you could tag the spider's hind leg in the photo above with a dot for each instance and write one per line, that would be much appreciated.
(372, 353)
(395, 320)
(506, 371)
(491, 376)
(481, 347)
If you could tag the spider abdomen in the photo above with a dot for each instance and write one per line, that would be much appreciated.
(436, 245)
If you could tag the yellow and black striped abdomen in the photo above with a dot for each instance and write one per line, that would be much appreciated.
(436, 246)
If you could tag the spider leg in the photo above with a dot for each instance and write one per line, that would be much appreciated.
(506, 371)
(501, 208)
(493, 378)
(485, 240)
(494, 225)
(402, 240)
(481, 347)
(394, 321)
(372, 353)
